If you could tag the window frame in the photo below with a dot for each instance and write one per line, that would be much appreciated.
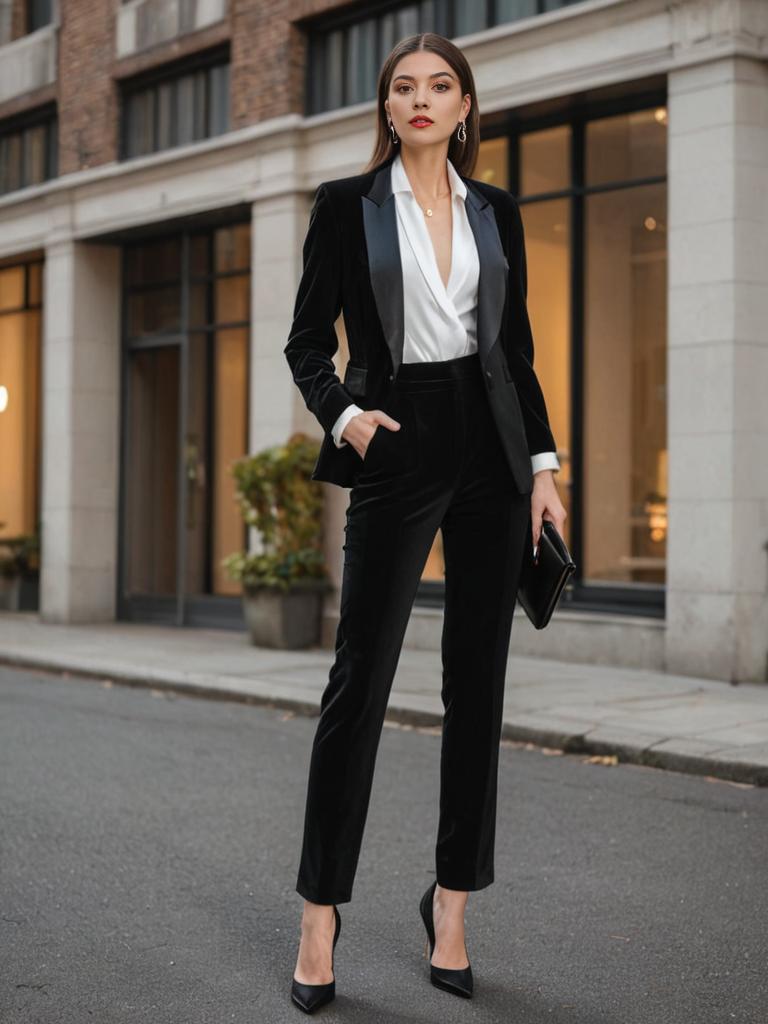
(317, 29)
(47, 117)
(629, 599)
(170, 73)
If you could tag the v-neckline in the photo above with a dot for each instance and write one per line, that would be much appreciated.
(441, 291)
(445, 285)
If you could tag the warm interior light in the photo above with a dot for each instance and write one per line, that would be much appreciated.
(3, 397)
(660, 113)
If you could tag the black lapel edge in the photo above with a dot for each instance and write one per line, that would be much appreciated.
(492, 285)
(384, 266)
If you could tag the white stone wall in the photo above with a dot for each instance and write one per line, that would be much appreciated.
(277, 409)
(141, 24)
(717, 592)
(81, 391)
(28, 63)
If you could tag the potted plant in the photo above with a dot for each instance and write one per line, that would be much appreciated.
(20, 572)
(283, 583)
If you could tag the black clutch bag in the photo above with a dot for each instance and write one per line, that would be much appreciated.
(544, 574)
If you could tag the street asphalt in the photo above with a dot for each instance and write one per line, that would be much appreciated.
(702, 726)
(149, 845)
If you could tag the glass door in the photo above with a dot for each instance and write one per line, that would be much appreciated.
(150, 536)
(185, 416)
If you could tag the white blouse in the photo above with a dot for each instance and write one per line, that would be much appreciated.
(439, 322)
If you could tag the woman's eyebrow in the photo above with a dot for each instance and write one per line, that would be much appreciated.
(433, 75)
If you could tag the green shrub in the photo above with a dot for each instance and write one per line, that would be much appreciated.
(278, 497)
(20, 556)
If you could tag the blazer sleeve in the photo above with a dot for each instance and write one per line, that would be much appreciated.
(519, 348)
(312, 341)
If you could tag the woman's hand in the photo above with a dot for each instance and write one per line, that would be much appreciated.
(361, 428)
(546, 504)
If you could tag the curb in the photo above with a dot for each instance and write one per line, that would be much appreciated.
(570, 743)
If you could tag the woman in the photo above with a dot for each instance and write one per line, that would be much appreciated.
(450, 431)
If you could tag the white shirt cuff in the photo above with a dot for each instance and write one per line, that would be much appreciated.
(544, 460)
(338, 427)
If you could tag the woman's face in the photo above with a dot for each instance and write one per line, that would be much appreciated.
(425, 84)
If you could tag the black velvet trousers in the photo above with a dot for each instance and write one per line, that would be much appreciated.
(445, 468)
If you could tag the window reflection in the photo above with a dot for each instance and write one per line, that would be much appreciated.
(216, 420)
(230, 432)
(151, 471)
(11, 288)
(545, 160)
(619, 260)
(154, 311)
(469, 16)
(548, 253)
(233, 248)
(176, 110)
(627, 146)
(493, 163)
(511, 10)
(20, 331)
(625, 409)
(362, 63)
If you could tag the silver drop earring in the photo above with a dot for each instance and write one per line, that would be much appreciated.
(395, 137)
(461, 134)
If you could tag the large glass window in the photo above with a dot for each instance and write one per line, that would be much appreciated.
(624, 421)
(180, 107)
(187, 316)
(20, 329)
(347, 50)
(28, 150)
(593, 198)
(592, 193)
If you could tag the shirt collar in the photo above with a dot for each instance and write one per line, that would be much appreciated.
(400, 182)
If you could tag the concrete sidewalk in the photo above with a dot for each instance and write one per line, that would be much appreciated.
(678, 722)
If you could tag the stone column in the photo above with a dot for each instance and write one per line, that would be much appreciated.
(81, 419)
(276, 231)
(278, 228)
(717, 592)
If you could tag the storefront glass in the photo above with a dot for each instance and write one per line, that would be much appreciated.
(592, 194)
(187, 313)
(20, 412)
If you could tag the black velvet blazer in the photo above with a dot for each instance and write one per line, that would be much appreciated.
(351, 262)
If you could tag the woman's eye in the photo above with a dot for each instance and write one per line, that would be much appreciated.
(443, 85)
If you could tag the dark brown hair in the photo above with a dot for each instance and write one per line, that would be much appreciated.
(462, 155)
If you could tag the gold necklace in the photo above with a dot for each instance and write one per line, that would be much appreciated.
(428, 209)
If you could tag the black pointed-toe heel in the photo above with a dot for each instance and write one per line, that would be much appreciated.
(458, 981)
(311, 997)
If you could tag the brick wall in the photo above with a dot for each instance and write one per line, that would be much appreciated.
(268, 56)
(267, 53)
(18, 18)
(87, 99)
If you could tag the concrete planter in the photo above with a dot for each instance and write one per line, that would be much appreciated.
(288, 619)
(20, 593)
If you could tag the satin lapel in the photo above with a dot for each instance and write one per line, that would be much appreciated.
(383, 245)
(492, 285)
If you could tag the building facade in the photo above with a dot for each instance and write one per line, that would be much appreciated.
(158, 160)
